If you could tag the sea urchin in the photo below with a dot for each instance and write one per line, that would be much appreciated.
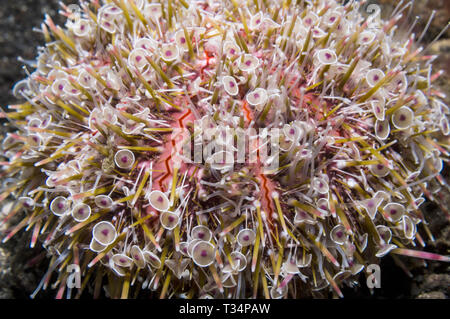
(316, 135)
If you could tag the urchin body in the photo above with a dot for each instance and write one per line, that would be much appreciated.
(96, 161)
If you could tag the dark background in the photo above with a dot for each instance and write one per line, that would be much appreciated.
(18, 277)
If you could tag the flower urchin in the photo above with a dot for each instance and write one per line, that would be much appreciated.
(94, 153)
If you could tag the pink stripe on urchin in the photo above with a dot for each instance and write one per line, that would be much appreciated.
(165, 164)
(267, 185)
